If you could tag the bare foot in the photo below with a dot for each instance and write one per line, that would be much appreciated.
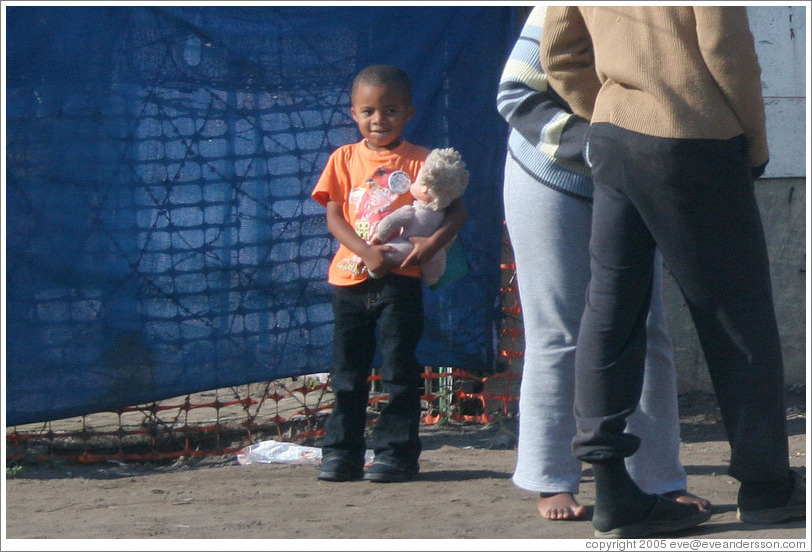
(688, 498)
(560, 506)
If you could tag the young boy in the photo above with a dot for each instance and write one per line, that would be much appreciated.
(361, 183)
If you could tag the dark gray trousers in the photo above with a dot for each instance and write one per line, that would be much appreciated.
(695, 200)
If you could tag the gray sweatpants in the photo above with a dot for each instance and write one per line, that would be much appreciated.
(550, 232)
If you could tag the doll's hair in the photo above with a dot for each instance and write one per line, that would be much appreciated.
(385, 75)
(445, 175)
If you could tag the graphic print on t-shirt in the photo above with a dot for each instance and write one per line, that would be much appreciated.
(372, 201)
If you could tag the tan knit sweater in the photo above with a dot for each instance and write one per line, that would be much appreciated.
(673, 72)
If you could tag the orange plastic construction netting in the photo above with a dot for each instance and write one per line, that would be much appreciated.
(223, 421)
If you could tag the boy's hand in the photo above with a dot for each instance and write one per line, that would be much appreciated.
(371, 255)
(375, 261)
(424, 249)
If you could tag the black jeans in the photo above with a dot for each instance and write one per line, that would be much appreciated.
(695, 200)
(392, 308)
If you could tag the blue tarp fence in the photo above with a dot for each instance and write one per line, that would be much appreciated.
(160, 237)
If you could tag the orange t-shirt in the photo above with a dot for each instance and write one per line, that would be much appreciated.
(368, 185)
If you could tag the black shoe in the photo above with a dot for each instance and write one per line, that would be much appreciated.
(794, 508)
(338, 469)
(668, 516)
(390, 471)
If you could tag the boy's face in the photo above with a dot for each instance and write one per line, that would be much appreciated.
(381, 113)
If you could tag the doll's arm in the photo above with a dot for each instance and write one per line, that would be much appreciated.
(392, 222)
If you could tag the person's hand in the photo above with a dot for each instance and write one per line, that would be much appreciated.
(424, 249)
(758, 171)
(375, 260)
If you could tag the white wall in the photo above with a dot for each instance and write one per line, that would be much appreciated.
(780, 37)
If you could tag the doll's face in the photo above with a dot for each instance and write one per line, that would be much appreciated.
(420, 191)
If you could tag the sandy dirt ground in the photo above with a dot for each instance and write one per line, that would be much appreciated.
(464, 491)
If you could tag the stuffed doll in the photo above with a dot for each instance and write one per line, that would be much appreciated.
(442, 179)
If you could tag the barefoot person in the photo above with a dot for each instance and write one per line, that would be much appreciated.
(548, 209)
(677, 135)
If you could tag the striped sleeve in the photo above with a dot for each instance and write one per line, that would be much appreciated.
(530, 106)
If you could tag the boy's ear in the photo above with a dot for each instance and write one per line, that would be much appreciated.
(409, 113)
(352, 113)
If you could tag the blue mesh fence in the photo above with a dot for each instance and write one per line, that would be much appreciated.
(160, 238)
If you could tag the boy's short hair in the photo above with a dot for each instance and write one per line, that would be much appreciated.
(385, 75)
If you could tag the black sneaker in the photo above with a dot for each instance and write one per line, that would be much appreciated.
(338, 469)
(794, 508)
(390, 471)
